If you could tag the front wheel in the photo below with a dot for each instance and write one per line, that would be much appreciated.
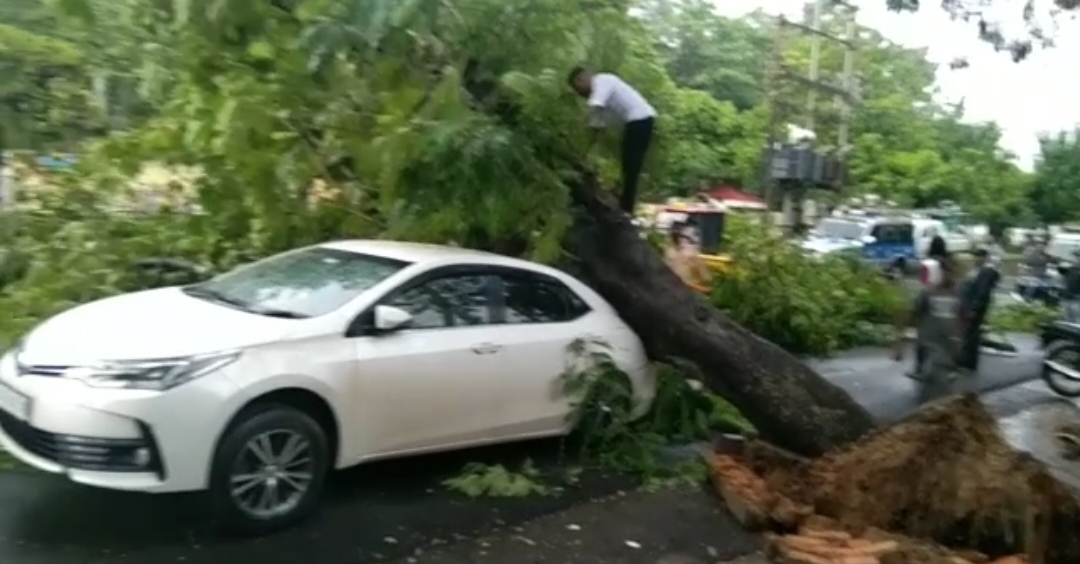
(1061, 368)
(269, 469)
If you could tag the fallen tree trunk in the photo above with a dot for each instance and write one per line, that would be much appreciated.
(791, 405)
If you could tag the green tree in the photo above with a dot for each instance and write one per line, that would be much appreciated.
(1055, 192)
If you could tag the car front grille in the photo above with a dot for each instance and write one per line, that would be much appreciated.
(85, 453)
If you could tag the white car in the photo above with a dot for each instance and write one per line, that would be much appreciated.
(257, 382)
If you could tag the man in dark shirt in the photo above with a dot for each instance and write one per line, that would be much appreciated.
(976, 295)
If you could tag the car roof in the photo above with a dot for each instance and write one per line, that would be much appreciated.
(432, 255)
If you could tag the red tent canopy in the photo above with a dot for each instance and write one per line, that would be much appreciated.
(735, 198)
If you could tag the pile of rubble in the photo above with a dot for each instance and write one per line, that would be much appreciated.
(942, 487)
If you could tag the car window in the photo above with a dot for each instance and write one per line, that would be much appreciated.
(528, 299)
(306, 282)
(1061, 248)
(839, 229)
(450, 301)
(893, 233)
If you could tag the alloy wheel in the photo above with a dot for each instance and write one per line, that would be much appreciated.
(272, 473)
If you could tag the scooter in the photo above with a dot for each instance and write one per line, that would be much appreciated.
(1061, 361)
(1046, 290)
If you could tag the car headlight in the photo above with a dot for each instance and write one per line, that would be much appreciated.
(159, 374)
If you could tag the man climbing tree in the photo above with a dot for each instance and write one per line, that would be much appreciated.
(611, 98)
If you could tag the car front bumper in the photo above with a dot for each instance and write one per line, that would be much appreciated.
(114, 438)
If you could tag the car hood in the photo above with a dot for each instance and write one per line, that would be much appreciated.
(825, 245)
(161, 323)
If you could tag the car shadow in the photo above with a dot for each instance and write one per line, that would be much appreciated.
(374, 511)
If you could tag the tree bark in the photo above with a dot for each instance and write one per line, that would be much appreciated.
(791, 405)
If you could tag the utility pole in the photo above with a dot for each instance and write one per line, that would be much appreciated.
(774, 81)
(844, 92)
(848, 83)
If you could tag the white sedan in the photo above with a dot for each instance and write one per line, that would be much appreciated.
(255, 383)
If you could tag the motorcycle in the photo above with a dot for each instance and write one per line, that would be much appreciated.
(1061, 361)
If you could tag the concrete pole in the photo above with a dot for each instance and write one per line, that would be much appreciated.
(848, 83)
(794, 206)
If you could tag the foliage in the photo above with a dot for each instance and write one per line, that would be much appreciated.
(483, 480)
(310, 120)
(610, 426)
(1055, 193)
(1021, 318)
(810, 305)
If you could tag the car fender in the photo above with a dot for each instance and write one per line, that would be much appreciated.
(265, 386)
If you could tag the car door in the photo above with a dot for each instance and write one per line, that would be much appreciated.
(429, 385)
(540, 317)
(872, 252)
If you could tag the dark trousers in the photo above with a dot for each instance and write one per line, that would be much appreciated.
(637, 135)
(969, 352)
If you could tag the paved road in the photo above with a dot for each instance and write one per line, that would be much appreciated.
(386, 510)
(877, 382)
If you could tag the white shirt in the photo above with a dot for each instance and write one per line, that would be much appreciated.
(618, 99)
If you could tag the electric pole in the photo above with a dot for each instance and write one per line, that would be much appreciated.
(796, 168)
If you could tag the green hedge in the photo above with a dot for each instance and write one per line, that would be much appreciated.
(806, 305)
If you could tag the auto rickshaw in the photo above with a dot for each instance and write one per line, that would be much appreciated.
(708, 221)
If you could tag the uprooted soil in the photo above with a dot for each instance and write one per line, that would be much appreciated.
(944, 474)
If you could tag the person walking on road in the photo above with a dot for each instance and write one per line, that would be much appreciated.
(935, 315)
(976, 295)
(610, 99)
(937, 259)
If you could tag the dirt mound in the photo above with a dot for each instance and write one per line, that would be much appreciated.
(945, 474)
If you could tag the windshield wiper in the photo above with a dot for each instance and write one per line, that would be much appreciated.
(225, 299)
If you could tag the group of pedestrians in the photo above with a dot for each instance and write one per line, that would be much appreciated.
(949, 313)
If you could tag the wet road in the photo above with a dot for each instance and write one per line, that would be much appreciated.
(387, 510)
(878, 382)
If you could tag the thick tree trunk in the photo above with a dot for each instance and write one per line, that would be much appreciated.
(789, 404)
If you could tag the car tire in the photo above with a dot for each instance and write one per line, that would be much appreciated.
(239, 462)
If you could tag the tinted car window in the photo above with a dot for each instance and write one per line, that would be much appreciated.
(452, 301)
(893, 233)
(536, 300)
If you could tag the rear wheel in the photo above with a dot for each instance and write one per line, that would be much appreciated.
(1061, 368)
(269, 469)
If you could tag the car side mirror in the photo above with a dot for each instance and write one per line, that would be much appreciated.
(869, 240)
(390, 318)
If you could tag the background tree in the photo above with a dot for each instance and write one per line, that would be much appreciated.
(1055, 193)
(303, 120)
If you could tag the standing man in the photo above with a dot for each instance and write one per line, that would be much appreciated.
(612, 99)
(976, 295)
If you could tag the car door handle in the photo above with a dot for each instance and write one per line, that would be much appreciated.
(486, 348)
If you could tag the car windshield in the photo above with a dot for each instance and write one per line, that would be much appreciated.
(298, 284)
(839, 229)
(1063, 249)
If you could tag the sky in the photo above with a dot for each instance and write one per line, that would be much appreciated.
(1025, 99)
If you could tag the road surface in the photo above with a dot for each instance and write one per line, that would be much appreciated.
(389, 510)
